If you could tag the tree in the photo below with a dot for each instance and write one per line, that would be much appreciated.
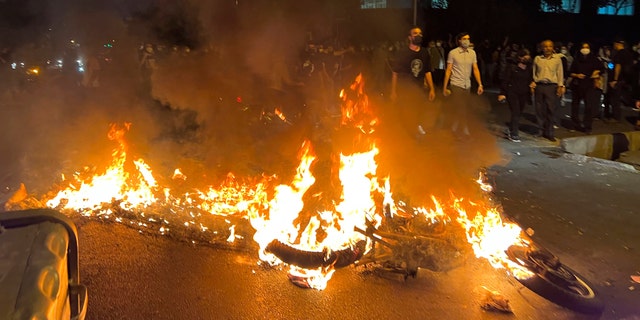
(553, 6)
(617, 5)
(561, 6)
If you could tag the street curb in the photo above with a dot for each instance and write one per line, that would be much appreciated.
(603, 146)
(609, 163)
(567, 144)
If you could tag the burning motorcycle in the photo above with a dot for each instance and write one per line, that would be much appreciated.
(403, 245)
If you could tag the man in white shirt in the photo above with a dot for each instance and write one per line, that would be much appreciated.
(462, 63)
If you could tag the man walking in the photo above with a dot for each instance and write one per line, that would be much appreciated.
(620, 83)
(547, 87)
(411, 74)
(462, 62)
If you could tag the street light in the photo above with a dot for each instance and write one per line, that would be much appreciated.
(415, 12)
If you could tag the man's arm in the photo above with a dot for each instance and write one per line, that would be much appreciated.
(447, 75)
(560, 75)
(616, 75)
(476, 75)
(432, 90)
(534, 69)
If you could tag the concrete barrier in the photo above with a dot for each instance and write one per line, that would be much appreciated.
(604, 146)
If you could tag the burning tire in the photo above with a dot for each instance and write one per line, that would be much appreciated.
(555, 281)
(316, 259)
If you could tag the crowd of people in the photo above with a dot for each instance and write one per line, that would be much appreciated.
(412, 72)
(599, 80)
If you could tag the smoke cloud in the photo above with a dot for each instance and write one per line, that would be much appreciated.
(203, 107)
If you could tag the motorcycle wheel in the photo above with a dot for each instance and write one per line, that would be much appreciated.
(555, 281)
(316, 259)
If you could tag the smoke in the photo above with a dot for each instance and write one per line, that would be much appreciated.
(209, 99)
(54, 125)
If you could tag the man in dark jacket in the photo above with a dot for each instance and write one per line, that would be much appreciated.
(619, 85)
(584, 71)
(514, 88)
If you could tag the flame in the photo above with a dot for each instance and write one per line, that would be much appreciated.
(490, 237)
(356, 110)
(299, 213)
(280, 115)
(115, 185)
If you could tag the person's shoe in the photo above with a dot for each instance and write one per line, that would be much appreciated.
(556, 126)
(507, 133)
(550, 138)
(514, 138)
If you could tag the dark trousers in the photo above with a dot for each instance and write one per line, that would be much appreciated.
(517, 103)
(614, 108)
(460, 109)
(547, 101)
(589, 96)
(410, 107)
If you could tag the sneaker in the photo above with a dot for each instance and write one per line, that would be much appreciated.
(514, 138)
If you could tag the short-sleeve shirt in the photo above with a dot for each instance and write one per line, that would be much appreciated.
(624, 58)
(412, 65)
(462, 61)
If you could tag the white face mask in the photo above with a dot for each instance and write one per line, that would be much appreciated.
(465, 43)
(563, 51)
(585, 51)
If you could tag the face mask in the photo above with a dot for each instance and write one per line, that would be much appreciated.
(563, 51)
(465, 43)
(585, 51)
(438, 44)
(417, 40)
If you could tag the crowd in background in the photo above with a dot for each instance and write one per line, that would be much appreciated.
(322, 68)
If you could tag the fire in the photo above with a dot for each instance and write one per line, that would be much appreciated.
(490, 237)
(356, 110)
(300, 214)
(281, 115)
(115, 185)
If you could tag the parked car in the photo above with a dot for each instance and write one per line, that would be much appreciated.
(39, 265)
